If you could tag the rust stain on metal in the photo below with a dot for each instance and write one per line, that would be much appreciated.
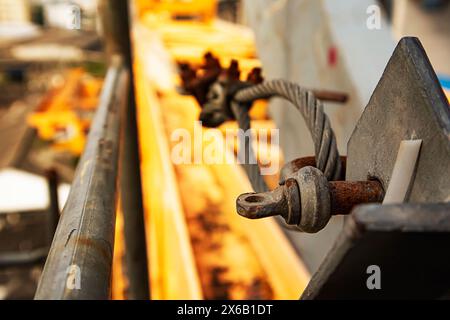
(99, 245)
(105, 151)
(347, 194)
(295, 165)
(332, 96)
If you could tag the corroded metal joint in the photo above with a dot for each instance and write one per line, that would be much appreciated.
(307, 200)
(315, 200)
(290, 168)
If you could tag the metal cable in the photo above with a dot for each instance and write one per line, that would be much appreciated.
(327, 155)
(249, 163)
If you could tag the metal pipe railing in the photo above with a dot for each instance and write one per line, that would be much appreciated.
(116, 19)
(80, 259)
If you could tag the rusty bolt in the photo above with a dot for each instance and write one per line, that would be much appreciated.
(308, 200)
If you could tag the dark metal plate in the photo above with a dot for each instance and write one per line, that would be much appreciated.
(409, 243)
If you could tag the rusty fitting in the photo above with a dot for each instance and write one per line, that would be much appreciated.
(293, 166)
(308, 200)
(331, 96)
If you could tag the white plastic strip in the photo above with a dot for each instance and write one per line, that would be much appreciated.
(403, 171)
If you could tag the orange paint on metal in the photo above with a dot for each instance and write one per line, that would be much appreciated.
(172, 268)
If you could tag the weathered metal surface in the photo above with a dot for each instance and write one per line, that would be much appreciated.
(345, 195)
(409, 244)
(79, 262)
(331, 96)
(116, 23)
(308, 200)
(266, 204)
(293, 166)
(408, 103)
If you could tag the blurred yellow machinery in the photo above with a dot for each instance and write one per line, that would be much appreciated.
(198, 247)
(179, 200)
(202, 9)
(64, 116)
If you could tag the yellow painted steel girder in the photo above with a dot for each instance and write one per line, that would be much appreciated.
(168, 202)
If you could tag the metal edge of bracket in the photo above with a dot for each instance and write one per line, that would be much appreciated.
(407, 241)
(414, 265)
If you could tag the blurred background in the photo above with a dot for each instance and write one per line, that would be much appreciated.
(52, 67)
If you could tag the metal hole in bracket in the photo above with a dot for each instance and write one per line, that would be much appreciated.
(254, 199)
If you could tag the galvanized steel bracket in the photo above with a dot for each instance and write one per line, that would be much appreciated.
(408, 103)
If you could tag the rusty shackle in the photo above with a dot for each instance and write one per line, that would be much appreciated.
(308, 200)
